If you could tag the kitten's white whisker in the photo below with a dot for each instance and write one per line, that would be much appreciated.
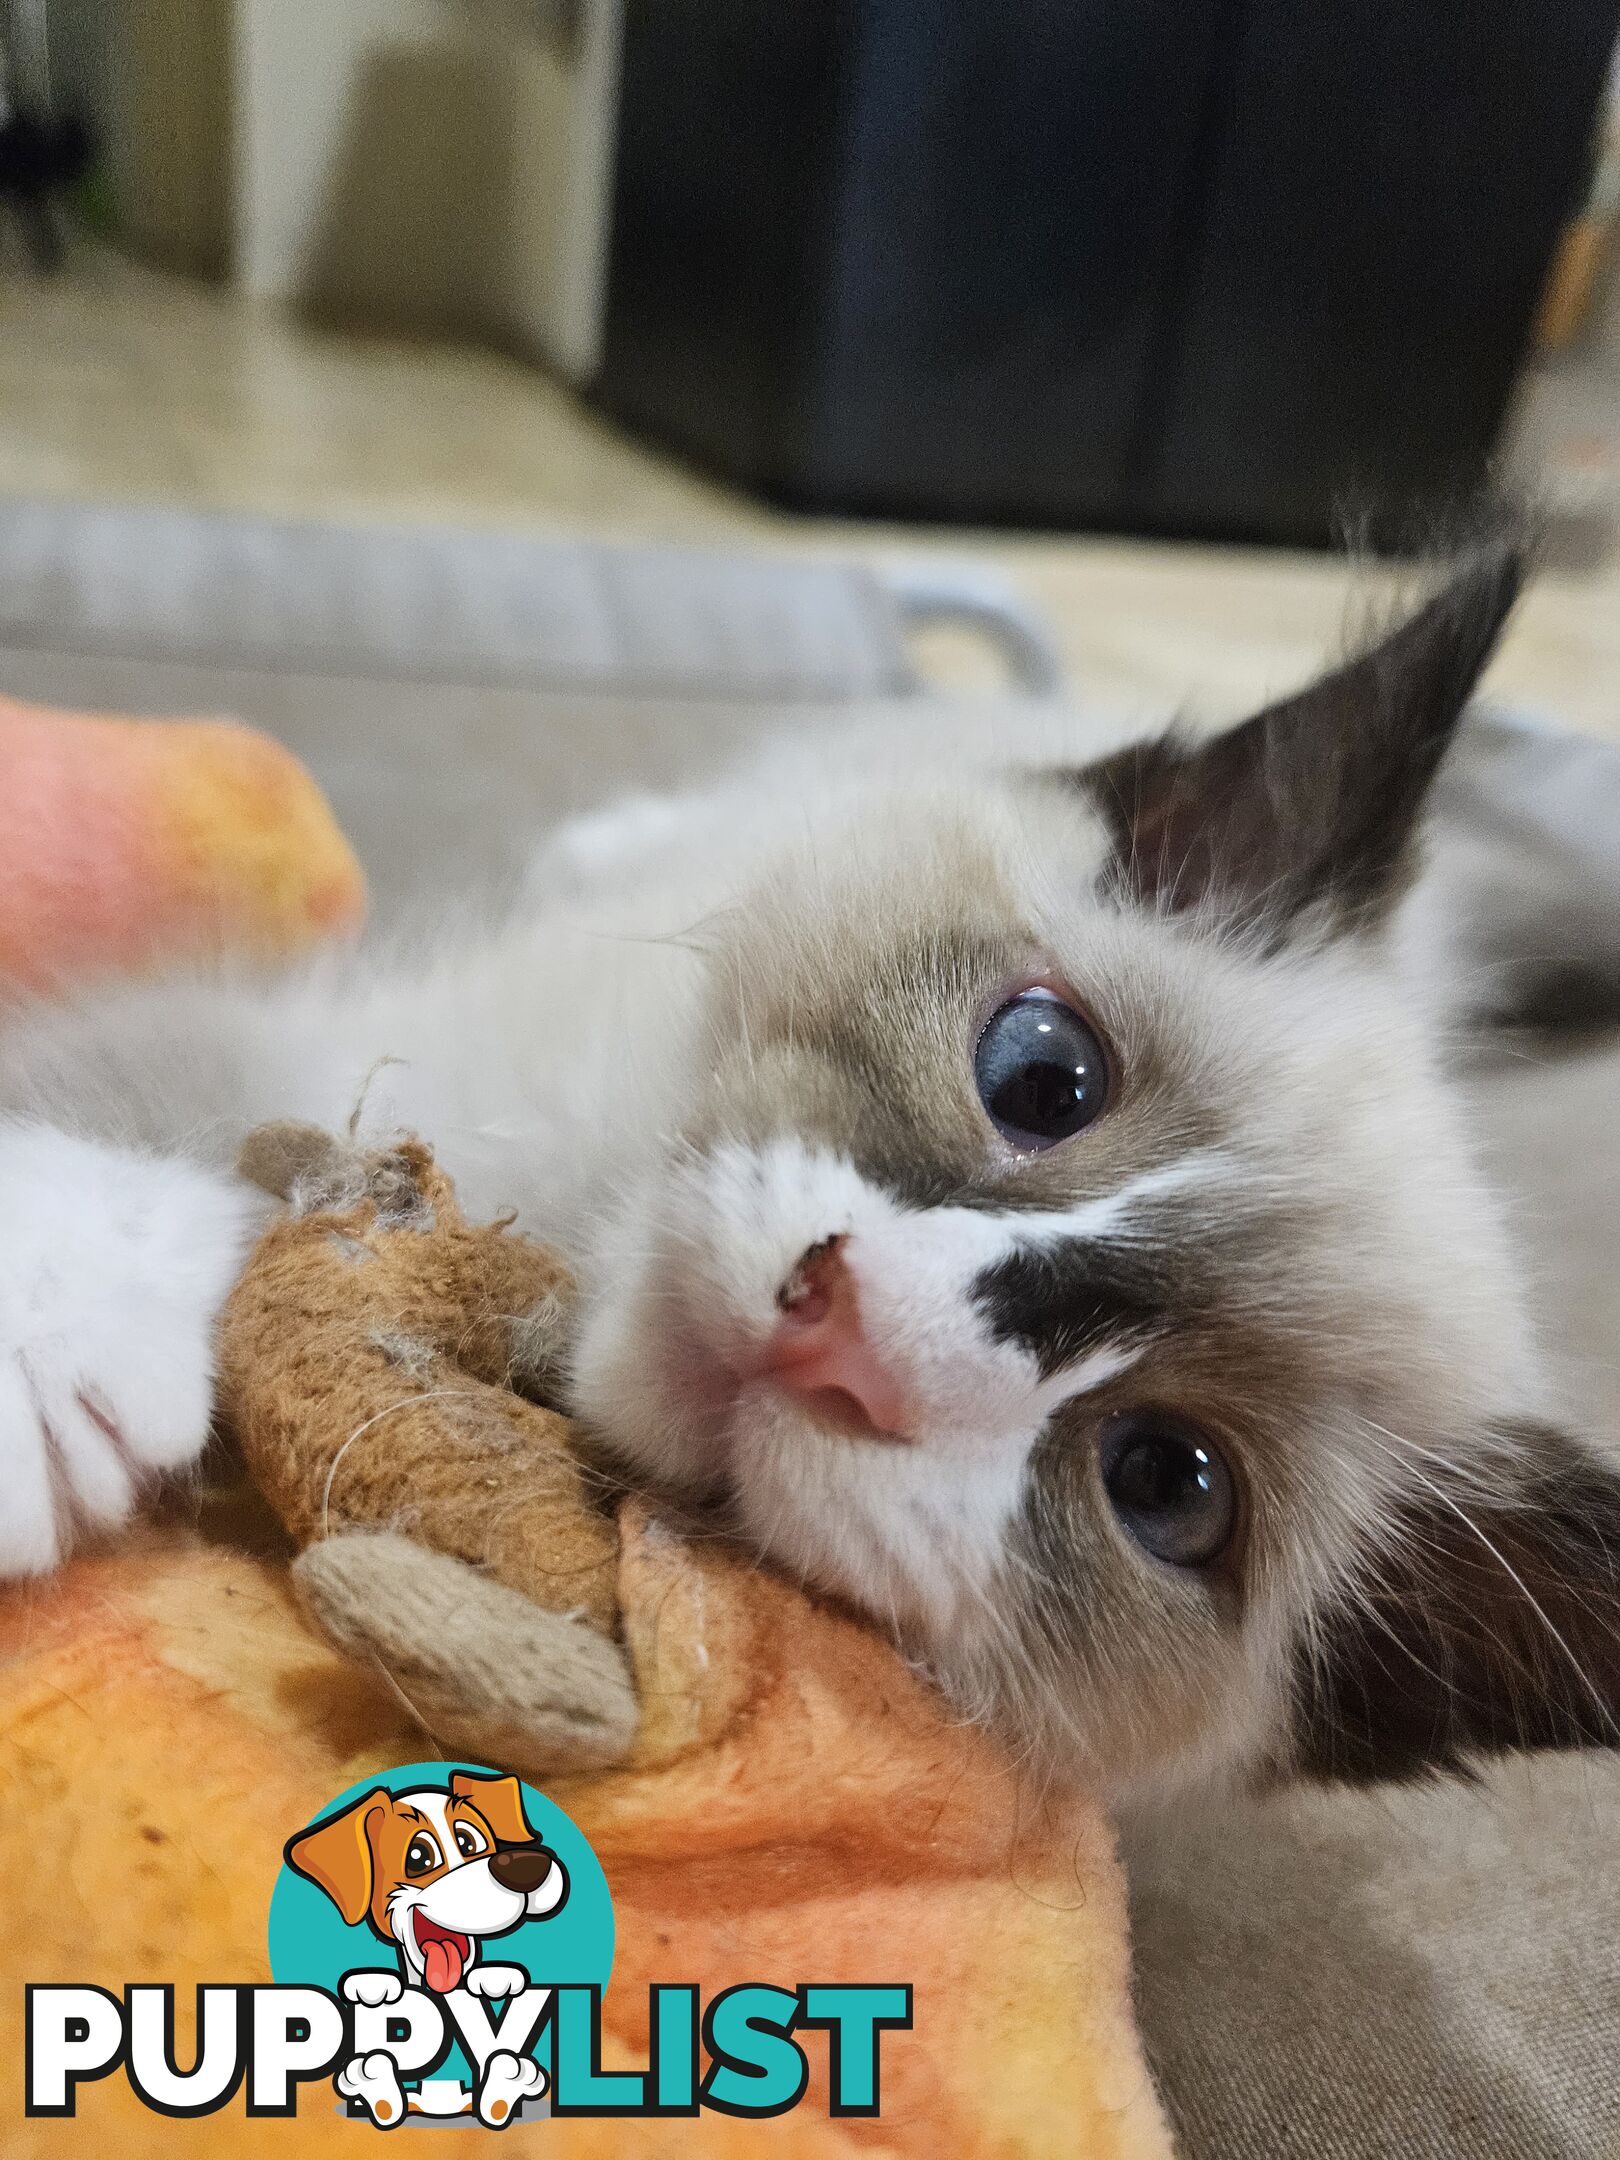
(1524, 1589)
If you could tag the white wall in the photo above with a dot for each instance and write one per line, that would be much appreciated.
(425, 161)
(305, 74)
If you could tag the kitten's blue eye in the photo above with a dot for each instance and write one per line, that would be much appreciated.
(1040, 1071)
(1170, 1489)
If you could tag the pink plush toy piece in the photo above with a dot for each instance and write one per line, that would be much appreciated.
(126, 842)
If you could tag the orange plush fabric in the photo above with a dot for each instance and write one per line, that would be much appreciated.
(169, 1718)
(124, 842)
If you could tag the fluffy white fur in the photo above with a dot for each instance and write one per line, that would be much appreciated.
(113, 1267)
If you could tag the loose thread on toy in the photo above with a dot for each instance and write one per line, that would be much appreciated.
(405, 1402)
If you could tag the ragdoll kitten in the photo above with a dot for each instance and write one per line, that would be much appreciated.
(1020, 1194)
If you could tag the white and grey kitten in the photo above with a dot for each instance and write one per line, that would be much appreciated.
(1019, 1193)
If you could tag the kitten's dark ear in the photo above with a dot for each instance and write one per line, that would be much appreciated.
(1313, 804)
(1491, 1624)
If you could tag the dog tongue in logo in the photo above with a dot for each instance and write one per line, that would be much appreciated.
(444, 1954)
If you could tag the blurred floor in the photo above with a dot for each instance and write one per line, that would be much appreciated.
(119, 383)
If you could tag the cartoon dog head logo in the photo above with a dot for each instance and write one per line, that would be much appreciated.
(434, 1871)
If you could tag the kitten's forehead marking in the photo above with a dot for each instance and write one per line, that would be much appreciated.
(1096, 1369)
(760, 1175)
(1110, 1214)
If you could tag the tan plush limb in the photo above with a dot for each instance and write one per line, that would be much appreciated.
(512, 1682)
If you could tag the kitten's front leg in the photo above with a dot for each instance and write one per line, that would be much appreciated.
(113, 1269)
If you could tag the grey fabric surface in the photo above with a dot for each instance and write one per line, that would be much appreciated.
(458, 691)
(1432, 1975)
(464, 607)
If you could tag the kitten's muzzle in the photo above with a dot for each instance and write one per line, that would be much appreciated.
(821, 1354)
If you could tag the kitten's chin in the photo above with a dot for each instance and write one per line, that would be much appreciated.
(887, 1527)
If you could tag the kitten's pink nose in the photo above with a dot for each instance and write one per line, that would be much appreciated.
(820, 1353)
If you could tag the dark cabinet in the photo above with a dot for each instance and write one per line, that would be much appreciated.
(1223, 267)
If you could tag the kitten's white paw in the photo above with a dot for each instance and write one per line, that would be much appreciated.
(113, 1268)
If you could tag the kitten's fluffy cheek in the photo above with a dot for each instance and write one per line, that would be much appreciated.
(633, 1377)
(880, 1526)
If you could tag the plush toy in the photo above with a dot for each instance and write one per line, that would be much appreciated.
(124, 842)
(371, 1359)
